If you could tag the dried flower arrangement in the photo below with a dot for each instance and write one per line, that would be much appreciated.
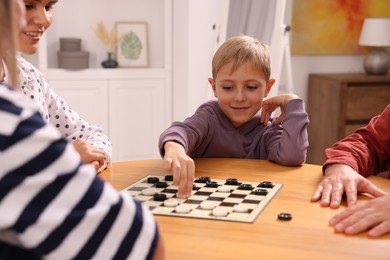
(109, 40)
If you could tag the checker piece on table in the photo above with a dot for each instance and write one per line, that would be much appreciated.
(229, 199)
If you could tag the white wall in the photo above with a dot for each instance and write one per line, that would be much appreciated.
(302, 66)
(194, 44)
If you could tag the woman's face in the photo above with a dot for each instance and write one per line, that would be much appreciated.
(39, 17)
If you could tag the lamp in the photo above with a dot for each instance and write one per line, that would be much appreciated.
(376, 33)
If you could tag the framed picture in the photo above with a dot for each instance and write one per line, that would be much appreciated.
(132, 49)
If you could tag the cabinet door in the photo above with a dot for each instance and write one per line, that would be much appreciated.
(87, 97)
(136, 117)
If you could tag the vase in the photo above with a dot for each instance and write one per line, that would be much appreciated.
(110, 62)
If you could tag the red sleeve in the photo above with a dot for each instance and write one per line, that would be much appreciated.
(367, 150)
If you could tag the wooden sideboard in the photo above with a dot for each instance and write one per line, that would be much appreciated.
(338, 104)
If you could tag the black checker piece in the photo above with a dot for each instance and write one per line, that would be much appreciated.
(153, 180)
(245, 186)
(212, 184)
(262, 192)
(162, 184)
(266, 184)
(232, 181)
(159, 197)
(203, 180)
(168, 178)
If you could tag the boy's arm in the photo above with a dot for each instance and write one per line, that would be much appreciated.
(193, 131)
(180, 140)
(182, 167)
(270, 105)
(288, 145)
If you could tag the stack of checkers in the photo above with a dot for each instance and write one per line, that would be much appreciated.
(229, 199)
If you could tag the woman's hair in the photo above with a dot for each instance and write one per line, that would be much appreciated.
(241, 49)
(8, 37)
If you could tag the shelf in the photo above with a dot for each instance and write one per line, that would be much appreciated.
(157, 14)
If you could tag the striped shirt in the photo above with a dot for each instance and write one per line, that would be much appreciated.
(54, 207)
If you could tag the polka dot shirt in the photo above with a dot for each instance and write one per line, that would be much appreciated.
(55, 111)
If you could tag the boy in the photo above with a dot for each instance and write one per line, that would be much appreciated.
(230, 127)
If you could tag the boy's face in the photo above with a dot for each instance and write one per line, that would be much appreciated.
(240, 94)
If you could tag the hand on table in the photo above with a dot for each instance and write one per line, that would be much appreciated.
(182, 167)
(271, 104)
(373, 215)
(340, 178)
(90, 154)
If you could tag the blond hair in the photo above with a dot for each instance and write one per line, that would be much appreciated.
(8, 32)
(241, 49)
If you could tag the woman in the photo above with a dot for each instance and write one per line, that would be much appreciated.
(41, 214)
(93, 146)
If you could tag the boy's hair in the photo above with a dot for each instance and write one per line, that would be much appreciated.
(240, 49)
(8, 34)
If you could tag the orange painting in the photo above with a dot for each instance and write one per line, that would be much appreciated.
(324, 27)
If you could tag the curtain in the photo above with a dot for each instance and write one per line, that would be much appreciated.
(251, 17)
(264, 20)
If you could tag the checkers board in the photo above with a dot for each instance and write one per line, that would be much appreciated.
(229, 200)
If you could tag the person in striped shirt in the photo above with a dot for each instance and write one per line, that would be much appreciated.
(90, 141)
(52, 206)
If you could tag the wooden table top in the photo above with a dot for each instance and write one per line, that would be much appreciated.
(306, 236)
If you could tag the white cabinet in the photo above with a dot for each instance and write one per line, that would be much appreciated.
(133, 105)
(86, 97)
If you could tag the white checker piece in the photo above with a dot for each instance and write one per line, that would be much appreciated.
(232, 202)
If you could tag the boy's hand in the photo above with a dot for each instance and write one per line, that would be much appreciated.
(182, 167)
(271, 104)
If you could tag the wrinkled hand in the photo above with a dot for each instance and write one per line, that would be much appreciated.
(340, 178)
(373, 215)
(90, 154)
(271, 104)
(182, 167)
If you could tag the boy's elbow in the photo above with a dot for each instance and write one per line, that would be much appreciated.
(291, 159)
(296, 161)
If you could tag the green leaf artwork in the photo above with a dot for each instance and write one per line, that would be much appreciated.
(131, 46)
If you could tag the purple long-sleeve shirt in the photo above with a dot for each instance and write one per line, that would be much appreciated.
(209, 133)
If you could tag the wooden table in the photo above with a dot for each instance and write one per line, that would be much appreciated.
(306, 236)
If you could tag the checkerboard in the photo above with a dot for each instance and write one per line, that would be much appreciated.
(243, 202)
